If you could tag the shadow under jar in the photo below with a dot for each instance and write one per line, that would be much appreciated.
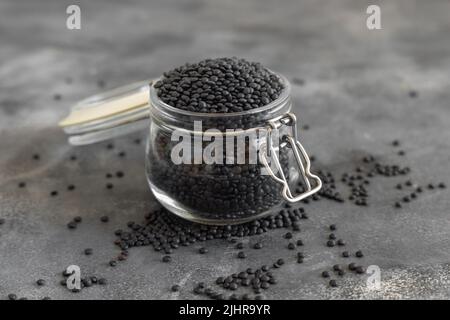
(256, 162)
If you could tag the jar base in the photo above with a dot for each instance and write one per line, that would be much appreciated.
(183, 212)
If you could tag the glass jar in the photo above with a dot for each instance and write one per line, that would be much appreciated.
(236, 185)
(212, 168)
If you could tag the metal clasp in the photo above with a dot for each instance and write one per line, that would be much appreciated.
(303, 161)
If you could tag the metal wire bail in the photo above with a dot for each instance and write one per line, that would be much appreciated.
(303, 161)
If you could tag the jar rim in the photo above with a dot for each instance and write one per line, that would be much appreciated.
(284, 97)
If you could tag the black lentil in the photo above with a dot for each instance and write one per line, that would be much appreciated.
(241, 255)
(86, 282)
(88, 251)
(359, 254)
(65, 273)
(360, 270)
(233, 286)
(72, 225)
(104, 219)
(40, 282)
(333, 283)
(257, 245)
(264, 285)
(175, 288)
(119, 174)
(219, 280)
(12, 296)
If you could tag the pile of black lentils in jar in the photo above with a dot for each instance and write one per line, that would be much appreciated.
(221, 85)
(218, 191)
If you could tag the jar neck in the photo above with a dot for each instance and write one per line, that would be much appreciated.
(172, 118)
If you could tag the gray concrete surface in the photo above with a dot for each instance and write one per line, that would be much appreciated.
(355, 99)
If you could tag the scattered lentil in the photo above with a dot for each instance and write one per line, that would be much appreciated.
(40, 282)
(175, 288)
(241, 255)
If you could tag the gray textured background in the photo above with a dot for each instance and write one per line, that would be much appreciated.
(355, 99)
